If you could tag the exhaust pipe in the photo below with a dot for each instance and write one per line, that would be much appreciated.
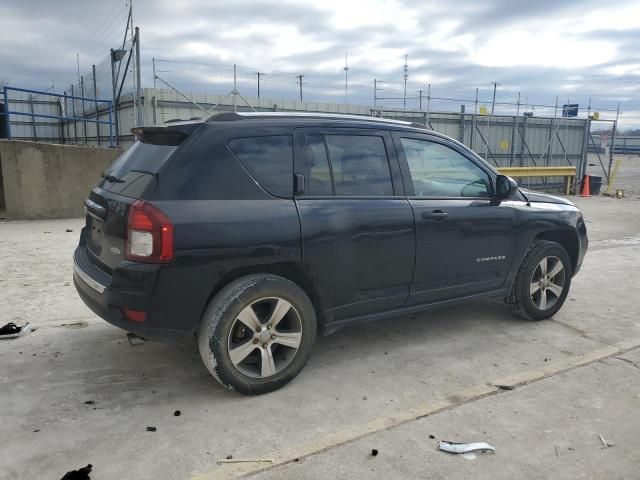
(135, 340)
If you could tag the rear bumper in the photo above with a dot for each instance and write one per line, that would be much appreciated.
(106, 295)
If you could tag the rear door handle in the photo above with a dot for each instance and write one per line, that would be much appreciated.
(436, 215)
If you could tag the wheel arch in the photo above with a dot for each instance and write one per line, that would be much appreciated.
(291, 271)
(569, 241)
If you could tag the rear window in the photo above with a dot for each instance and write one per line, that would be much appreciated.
(141, 157)
(269, 160)
(134, 170)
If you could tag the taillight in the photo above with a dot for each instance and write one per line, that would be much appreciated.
(149, 234)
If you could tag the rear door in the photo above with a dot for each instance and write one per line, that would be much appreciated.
(465, 239)
(357, 226)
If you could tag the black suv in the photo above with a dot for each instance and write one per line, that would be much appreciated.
(255, 231)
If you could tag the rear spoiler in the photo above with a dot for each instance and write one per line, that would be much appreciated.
(171, 134)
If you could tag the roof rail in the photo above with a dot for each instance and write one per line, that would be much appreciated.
(230, 116)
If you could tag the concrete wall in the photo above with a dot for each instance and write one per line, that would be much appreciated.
(42, 180)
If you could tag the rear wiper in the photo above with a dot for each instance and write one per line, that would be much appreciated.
(112, 179)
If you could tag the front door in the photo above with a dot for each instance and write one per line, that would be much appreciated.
(358, 237)
(465, 238)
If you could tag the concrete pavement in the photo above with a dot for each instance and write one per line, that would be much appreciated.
(364, 385)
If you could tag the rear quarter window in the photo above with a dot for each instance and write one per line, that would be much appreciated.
(269, 160)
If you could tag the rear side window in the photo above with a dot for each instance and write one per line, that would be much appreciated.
(360, 166)
(269, 160)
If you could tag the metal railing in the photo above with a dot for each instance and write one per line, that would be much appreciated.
(63, 116)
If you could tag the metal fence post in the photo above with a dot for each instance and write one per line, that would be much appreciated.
(61, 114)
(613, 141)
(582, 168)
(33, 119)
(513, 140)
(6, 110)
(461, 131)
(84, 112)
(73, 114)
(95, 96)
(523, 132)
(114, 101)
(110, 107)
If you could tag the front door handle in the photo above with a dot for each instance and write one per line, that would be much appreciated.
(436, 215)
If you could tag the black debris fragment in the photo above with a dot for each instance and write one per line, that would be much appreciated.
(374, 452)
(176, 413)
(506, 387)
(432, 437)
(69, 230)
(151, 429)
(90, 402)
(80, 474)
(10, 329)
(36, 430)
(229, 457)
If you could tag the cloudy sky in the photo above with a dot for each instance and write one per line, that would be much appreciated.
(576, 49)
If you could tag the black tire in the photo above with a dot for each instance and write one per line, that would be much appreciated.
(527, 304)
(216, 338)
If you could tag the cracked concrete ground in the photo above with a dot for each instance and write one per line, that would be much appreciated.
(361, 389)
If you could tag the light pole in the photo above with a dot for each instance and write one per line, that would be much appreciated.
(493, 102)
(346, 78)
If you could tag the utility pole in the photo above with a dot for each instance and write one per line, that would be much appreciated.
(153, 62)
(493, 103)
(375, 93)
(300, 82)
(140, 119)
(235, 90)
(346, 78)
(406, 75)
(420, 99)
(258, 74)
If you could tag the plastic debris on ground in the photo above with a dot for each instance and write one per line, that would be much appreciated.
(464, 448)
(606, 443)
(80, 474)
(11, 330)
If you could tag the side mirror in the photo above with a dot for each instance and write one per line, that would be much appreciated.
(505, 186)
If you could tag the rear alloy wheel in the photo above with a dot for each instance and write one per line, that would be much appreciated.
(256, 333)
(542, 283)
(265, 337)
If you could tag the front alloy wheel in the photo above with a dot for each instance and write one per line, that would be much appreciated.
(543, 280)
(547, 283)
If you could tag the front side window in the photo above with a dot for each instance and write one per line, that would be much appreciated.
(360, 166)
(439, 171)
(269, 160)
